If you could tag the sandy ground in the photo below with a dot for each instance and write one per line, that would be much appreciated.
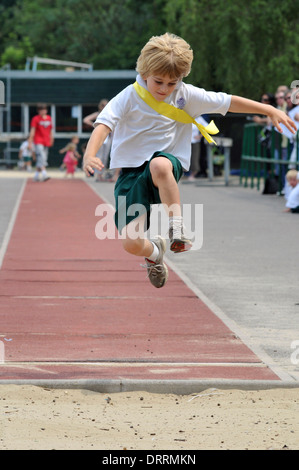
(39, 418)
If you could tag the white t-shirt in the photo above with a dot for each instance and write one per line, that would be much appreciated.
(25, 150)
(293, 199)
(139, 131)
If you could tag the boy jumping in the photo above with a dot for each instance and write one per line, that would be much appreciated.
(151, 123)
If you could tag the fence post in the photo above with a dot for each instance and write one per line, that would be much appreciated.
(267, 158)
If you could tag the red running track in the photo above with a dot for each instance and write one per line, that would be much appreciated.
(75, 307)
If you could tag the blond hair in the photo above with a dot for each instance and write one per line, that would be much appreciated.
(292, 174)
(165, 55)
(71, 146)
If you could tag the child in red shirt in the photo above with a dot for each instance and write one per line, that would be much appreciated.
(42, 136)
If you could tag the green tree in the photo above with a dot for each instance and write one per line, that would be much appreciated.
(16, 53)
(107, 34)
(245, 48)
(242, 47)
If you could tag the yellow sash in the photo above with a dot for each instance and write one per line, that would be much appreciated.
(175, 113)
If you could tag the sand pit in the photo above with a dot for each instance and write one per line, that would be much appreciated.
(40, 418)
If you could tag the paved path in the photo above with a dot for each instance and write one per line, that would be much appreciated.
(78, 310)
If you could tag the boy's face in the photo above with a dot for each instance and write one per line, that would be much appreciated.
(160, 86)
(42, 111)
(293, 182)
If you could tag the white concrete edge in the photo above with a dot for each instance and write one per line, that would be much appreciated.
(176, 387)
(11, 223)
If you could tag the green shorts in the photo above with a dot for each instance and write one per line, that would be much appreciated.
(135, 191)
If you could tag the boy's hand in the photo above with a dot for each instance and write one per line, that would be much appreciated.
(92, 163)
(280, 117)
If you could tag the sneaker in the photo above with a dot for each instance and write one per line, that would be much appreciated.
(157, 270)
(179, 244)
(46, 178)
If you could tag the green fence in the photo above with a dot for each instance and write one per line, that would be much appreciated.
(266, 154)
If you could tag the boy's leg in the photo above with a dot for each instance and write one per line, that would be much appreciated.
(163, 179)
(45, 176)
(161, 170)
(40, 162)
(135, 243)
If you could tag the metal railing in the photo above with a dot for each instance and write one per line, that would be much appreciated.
(58, 63)
(266, 154)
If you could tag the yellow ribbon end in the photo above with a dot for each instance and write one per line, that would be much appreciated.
(211, 128)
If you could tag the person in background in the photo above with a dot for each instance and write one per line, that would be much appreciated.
(41, 135)
(195, 167)
(70, 160)
(90, 119)
(104, 152)
(26, 155)
(293, 113)
(74, 140)
(292, 204)
(281, 146)
(266, 98)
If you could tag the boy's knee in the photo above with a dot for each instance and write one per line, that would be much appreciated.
(133, 246)
(160, 167)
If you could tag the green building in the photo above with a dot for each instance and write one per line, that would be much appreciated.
(70, 97)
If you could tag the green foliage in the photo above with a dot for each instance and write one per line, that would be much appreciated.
(242, 47)
(16, 53)
(107, 34)
(13, 56)
(245, 48)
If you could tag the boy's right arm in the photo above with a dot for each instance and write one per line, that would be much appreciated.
(31, 137)
(97, 138)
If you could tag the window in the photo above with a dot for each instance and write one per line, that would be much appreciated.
(16, 119)
(67, 119)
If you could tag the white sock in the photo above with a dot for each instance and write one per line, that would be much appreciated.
(154, 254)
(176, 223)
(44, 174)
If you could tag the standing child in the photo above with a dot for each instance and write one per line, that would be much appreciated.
(26, 155)
(292, 197)
(152, 143)
(70, 160)
(42, 136)
(74, 140)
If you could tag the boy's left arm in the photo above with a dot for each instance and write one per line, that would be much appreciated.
(244, 105)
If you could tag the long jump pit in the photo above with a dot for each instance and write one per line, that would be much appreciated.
(78, 311)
